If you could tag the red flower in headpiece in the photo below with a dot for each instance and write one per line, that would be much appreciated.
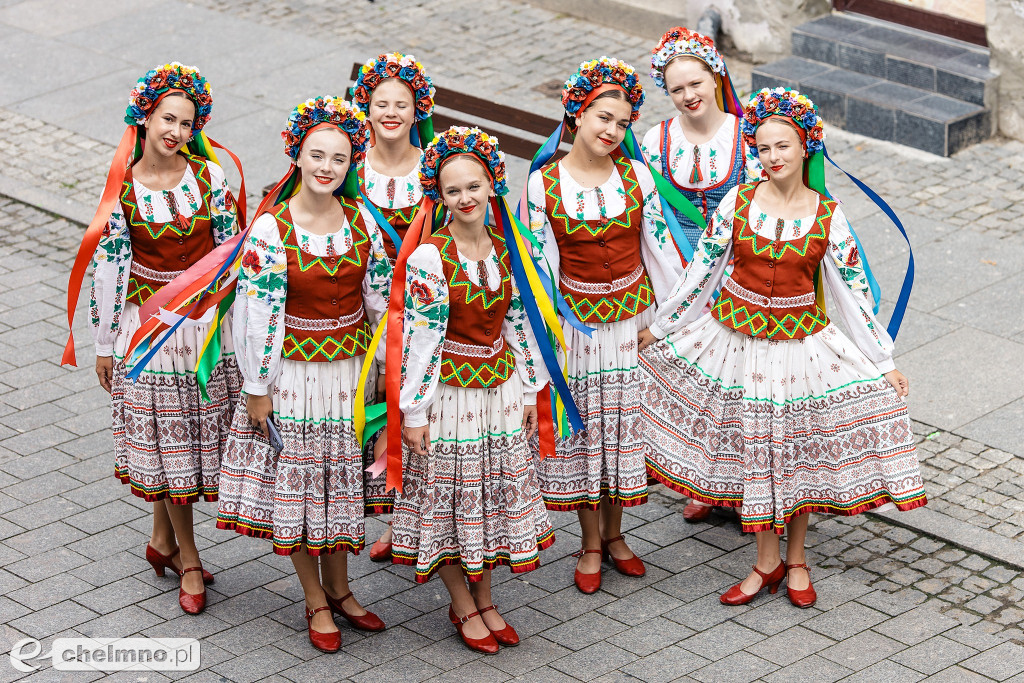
(424, 104)
(815, 133)
(797, 109)
(771, 103)
(392, 68)
(371, 79)
(361, 94)
(485, 147)
(418, 81)
(595, 77)
(158, 81)
(751, 116)
(577, 95)
(619, 74)
(143, 102)
(185, 81)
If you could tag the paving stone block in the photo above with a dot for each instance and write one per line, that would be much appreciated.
(569, 603)
(595, 660)
(774, 615)
(1000, 663)
(862, 650)
(256, 665)
(845, 621)
(789, 646)
(813, 668)
(885, 670)
(739, 667)
(639, 607)
(583, 631)
(933, 655)
(381, 647)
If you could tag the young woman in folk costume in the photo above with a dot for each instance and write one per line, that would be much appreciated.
(469, 497)
(700, 152)
(166, 206)
(762, 403)
(598, 221)
(313, 284)
(397, 96)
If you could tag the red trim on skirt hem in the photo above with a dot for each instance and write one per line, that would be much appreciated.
(286, 550)
(164, 494)
(476, 576)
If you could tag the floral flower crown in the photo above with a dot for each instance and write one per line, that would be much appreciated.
(462, 140)
(596, 73)
(326, 109)
(173, 76)
(682, 41)
(790, 104)
(395, 65)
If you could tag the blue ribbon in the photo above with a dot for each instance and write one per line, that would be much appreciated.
(908, 279)
(382, 222)
(137, 369)
(536, 320)
(548, 149)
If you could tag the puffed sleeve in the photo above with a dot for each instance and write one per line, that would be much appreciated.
(650, 146)
(540, 226)
(848, 285)
(259, 306)
(377, 282)
(519, 336)
(223, 212)
(111, 267)
(425, 325)
(702, 277)
(751, 165)
(661, 258)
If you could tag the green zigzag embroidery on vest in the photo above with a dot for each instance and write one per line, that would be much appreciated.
(359, 238)
(739, 318)
(351, 345)
(460, 279)
(612, 309)
(202, 177)
(627, 220)
(746, 195)
(486, 374)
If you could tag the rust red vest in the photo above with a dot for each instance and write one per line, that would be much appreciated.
(602, 276)
(399, 219)
(474, 354)
(162, 251)
(771, 291)
(324, 318)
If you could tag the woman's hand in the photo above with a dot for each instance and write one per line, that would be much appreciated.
(899, 382)
(644, 338)
(259, 409)
(417, 439)
(105, 371)
(530, 422)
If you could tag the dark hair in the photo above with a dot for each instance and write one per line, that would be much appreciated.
(612, 93)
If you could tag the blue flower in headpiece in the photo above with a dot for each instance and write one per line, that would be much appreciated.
(407, 73)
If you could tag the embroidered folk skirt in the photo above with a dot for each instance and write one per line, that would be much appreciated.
(474, 501)
(775, 428)
(311, 493)
(167, 440)
(606, 459)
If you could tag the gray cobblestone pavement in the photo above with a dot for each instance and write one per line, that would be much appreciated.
(896, 603)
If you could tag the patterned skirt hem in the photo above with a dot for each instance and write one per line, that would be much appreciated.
(474, 575)
(164, 493)
(291, 548)
(588, 504)
(378, 508)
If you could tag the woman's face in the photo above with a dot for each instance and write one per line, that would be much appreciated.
(465, 189)
(392, 110)
(324, 159)
(691, 86)
(779, 149)
(603, 125)
(169, 127)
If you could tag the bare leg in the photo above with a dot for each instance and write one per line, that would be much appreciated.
(611, 526)
(334, 569)
(768, 559)
(481, 591)
(162, 538)
(797, 579)
(181, 520)
(590, 526)
(462, 601)
(308, 571)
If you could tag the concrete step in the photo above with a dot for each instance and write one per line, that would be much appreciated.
(879, 108)
(899, 54)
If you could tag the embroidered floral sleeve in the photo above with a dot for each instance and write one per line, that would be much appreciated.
(223, 211)
(519, 336)
(661, 258)
(258, 332)
(540, 226)
(696, 286)
(111, 268)
(650, 147)
(425, 324)
(377, 283)
(847, 283)
(751, 167)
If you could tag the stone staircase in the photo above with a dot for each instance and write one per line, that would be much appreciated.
(890, 82)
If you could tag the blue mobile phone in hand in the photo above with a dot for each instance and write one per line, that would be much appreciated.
(275, 436)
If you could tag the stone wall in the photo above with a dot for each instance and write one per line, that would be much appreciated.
(1004, 26)
(759, 30)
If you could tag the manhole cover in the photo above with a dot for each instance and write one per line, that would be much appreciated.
(551, 88)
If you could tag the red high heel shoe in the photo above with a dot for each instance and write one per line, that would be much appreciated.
(505, 636)
(325, 642)
(366, 622)
(380, 551)
(632, 566)
(587, 583)
(191, 604)
(487, 645)
(804, 597)
(735, 596)
(696, 512)
(161, 562)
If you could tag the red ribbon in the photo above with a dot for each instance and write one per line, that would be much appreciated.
(545, 422)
